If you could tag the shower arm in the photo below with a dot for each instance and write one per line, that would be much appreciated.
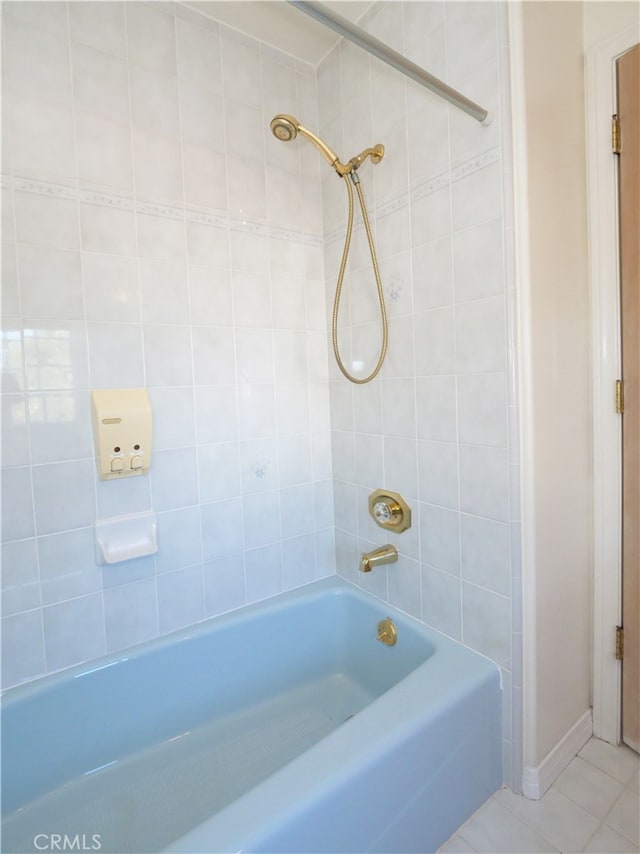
(343, 169)
(376, 153)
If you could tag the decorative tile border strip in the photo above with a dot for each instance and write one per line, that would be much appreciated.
(420, 191)
(313, 240)
(158, 209)
(392, 205)
(43, 188)
(430, 186)
(220, 220)
(295, 236)
(93, 197)
(201, 218)
(142, 206)
(337, 233)
(486, 159)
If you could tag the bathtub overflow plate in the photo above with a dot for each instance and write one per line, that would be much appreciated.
(387, 632)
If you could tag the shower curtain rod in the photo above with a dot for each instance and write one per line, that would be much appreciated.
(391, 57)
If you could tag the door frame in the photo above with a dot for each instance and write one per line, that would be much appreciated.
(600, 79)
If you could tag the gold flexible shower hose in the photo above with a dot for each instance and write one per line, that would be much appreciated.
(349, 180)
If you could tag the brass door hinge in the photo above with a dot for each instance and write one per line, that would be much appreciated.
(619, 397)
(615, 134)
(619, 643)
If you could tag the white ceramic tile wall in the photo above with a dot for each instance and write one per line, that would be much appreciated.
(154, 233)
(152, 237)
(438, 424)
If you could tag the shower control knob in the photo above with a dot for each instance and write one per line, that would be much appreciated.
(389, 510)
(385, 512)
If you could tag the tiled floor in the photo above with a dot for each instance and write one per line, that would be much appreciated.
(593, 806)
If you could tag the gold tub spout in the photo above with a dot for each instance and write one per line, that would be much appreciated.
(379, 556)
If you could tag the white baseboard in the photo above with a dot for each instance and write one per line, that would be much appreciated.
(536, 781)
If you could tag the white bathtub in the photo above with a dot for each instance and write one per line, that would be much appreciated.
(283, 727)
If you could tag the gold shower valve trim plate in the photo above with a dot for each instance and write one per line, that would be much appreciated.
(389, 510)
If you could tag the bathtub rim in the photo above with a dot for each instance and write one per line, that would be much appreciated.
(330, 585)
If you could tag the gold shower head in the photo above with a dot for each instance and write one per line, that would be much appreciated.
(286, 128)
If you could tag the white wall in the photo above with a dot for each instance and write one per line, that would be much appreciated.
(558, 575)
(603, 19)
(558, 585)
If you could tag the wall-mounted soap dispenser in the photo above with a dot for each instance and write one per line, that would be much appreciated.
(121, 431)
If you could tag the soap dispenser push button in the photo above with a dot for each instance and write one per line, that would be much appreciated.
(136, 462)
(117, 464)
